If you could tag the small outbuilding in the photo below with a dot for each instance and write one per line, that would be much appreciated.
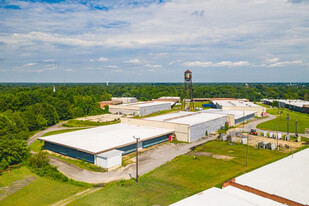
(111, 159)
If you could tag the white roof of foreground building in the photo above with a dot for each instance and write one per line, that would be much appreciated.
(190, 118)
(286, 178)
(228, 196)
(104, 138)
(237, 113)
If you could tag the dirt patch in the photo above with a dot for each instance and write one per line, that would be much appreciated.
(253, 141)
(207, 154)
(101, 118)
(222, 157)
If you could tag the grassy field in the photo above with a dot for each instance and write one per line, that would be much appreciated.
(302, 119)
(16, 174)
(263, 105)
(182, 177)
(199, 104)
(41, 191)
(87, 123)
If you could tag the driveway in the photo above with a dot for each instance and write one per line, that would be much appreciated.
(253, 124)
(148, 161)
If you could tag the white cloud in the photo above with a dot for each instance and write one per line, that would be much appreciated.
(153, 65)
(29, 64)
(48, 60)
(91, 60)
(158, 55)
(273, 60)
(112, 67)
(134, 61)
(102, 59)
(68, 70)
(281, 64)
(116, 70)
(218, 64)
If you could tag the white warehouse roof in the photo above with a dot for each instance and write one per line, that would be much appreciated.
(237, 113)
(235, 103)
(228, 196)
(190, 118)
(286, 178)
(103, 138)
(145, 104)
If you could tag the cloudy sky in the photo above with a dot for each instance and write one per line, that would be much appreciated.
(154, 40)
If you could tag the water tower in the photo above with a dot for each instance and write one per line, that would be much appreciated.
(187, 94)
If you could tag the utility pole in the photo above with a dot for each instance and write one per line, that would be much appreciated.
(243, 121)
(288, 118)
(247, 148)
(296, 128)
(136, 179)
(277, 137)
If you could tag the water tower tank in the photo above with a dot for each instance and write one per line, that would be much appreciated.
(188, 75)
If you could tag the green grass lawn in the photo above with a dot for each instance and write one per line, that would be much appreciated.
(41, 191)
(16, 174)
(263, 105)
(182, 177)
(199, 104)
(302, 119)
(87, 123)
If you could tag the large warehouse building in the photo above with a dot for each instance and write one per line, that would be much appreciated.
(104, 146)
(188, 126)
(140, 108)
(234, 117)
(240, 105)
(292, 104)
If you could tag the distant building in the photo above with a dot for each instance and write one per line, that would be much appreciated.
(241, 105)
(292, 104)
(172, 100)
(188, 126)
(234, 117)
(125, 100)
(140, 108)
(112, 102)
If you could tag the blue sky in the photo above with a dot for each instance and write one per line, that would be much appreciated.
(154, 40)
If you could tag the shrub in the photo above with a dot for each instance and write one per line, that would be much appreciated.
(39, 164)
